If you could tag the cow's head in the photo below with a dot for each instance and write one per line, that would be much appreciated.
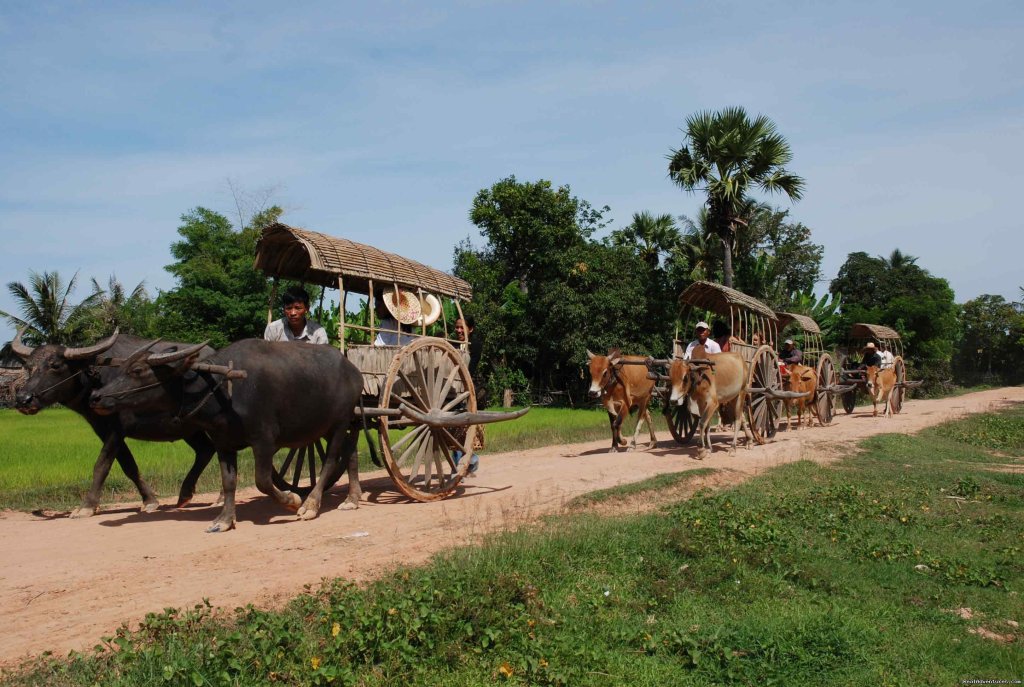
(679, 381)
(147, 381)
(56, 374)
(602, 371)
(871, 374)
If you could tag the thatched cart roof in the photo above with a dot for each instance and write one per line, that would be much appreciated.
(873, 331)
(805, 322)
(720, 299)
(309, 256)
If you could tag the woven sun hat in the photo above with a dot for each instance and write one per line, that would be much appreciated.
(702, 325)
(430, 309)
(871, 345)
(403, 305)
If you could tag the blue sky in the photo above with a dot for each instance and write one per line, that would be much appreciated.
(380, 122)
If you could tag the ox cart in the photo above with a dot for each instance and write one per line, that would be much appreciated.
(856, 379)
(808, 334)
(417, 393)
(752, 331)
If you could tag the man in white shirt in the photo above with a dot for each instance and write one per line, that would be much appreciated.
(703, 339)
(294, 326)
(888, 359)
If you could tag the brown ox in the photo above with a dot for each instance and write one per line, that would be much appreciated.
(718, 386)
(621, 388)
(880, 386)
(804, 379)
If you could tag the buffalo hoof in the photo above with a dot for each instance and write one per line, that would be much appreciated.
(183, 501)
(221, 526)
(651, 446)
(291, 500)
(84, 512)
(220, 499)
(348, 505)
(306, 513)
(150, 507)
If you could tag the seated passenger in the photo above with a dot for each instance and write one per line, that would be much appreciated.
(721, 334)
(791, 355)
(294, 326)
(396, 310)
(871, 357)
(888, 359)
(703, 339)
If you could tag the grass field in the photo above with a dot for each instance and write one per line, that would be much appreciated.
(46, 459)
(899, 566)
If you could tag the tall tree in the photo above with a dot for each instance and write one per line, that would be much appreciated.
(47, 313)
(219, 297)
(725, 155)
(651, 237)
(990, 346)
(117, 308)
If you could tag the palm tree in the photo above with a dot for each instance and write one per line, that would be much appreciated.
(695, 249)
(897, 260)
(115, 308)
(724, 156)
(651, 236)
(47, 316)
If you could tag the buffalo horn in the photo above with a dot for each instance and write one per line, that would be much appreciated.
(139, 352)
(175, 356)
(90, 351)
(20, 349)
(590, 356)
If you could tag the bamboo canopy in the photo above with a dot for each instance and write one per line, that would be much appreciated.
(721, 299)
(873, 331)
(309, 256)
(805, 322)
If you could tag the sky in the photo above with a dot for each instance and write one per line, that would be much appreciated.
(379, 122)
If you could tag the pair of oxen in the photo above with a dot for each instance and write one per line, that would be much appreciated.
(127, 387)
(714, 382)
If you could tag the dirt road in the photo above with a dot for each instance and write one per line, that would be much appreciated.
(65, 583)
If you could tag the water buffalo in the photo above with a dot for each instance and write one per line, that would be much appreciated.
(292, 396)
(57, 374)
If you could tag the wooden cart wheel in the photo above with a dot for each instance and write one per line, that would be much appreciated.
(850, 397)
(681, 422)
(762, 411)
(898, 394)
(825, 402)
(298, 469)
(427, 375)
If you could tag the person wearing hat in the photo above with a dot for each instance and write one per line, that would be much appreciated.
(703, 334)
(397, 309)
(871, 357)
(295, 326)
(888, 360)
(791, 355)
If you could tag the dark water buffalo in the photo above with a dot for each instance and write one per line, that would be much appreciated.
(292, 396)
(57, 374)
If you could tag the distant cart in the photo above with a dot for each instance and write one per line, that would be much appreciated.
(809, 333)
(417, 395)
(753, 330)
(860, 335)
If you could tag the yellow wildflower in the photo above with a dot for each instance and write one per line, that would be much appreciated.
(315, 662)
(335, 629)
(505, 670)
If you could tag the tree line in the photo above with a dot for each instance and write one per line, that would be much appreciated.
(550, 283)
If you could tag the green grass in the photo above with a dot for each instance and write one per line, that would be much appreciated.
(807, 574)
(46, 460)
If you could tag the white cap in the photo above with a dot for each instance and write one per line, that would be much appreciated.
(788, 341)
(702, 325)
(871, 344)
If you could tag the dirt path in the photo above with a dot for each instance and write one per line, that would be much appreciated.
(65, 583)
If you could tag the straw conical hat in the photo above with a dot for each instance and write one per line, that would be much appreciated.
(403, 305)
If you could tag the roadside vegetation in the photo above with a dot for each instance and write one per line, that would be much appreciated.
(900, 565)
(46, 460)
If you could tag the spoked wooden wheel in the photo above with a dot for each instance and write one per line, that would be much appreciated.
(681, 422)
(824, 401)
(763, 411)
(850, 397)
(298, 469)
(900, 392)
(427, 375)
